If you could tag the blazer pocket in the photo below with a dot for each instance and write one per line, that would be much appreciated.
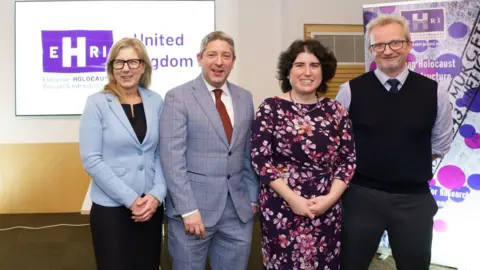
(196, 177)
(118, 171)
(196, 173)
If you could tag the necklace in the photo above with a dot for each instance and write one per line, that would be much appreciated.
(301, 110)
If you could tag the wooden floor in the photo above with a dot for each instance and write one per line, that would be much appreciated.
(69, 248)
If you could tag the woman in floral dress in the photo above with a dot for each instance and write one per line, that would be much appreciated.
(303, 153)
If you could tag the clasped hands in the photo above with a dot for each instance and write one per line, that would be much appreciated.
(144, 208)
(311, 207)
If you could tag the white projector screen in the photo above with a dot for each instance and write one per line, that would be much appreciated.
(61, 47)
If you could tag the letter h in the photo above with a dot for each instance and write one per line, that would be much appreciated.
(420, 23)
(80, 52)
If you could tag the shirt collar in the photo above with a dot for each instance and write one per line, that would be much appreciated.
(211, 88)
(383, 78)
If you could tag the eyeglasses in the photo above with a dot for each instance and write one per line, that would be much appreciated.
(132, 63)
(394, 45)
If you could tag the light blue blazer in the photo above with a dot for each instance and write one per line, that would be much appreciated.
(121, 167)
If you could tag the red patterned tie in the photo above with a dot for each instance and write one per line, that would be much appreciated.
(222, 111)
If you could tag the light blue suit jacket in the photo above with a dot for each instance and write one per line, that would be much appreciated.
(121, 167)
(201, 167)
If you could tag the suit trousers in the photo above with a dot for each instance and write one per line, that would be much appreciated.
(120, 243)
(407, 218)
(227, 243)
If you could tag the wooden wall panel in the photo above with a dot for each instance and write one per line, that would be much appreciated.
(344, 72)
(41, 178)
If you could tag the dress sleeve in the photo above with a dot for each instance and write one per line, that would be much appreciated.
(261, 143)
(346, 162)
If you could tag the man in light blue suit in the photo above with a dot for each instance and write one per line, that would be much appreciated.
(204, 152)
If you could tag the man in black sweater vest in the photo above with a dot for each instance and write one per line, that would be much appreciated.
(401, 121)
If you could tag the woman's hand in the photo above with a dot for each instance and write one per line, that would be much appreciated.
(300, 206)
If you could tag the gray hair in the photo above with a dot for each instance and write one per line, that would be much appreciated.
(385, 20)
(217, 35)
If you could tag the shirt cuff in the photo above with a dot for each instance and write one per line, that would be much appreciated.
(190, 213)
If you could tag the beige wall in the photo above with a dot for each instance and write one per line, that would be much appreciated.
(261, 30)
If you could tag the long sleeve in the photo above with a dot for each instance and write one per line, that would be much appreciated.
(159, 189)
(344, 95)
(249, 174)
(261, 144)
(442, 133)
(90, 140)
(346, 162)
(173, 147)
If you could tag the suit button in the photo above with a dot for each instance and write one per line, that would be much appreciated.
(228, 176)
(140, 168)
(230, 153)
(140, 153)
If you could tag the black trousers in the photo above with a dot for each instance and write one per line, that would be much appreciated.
(407, 218)
(121, 244)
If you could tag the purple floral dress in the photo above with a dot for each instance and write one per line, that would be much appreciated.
(308, 145)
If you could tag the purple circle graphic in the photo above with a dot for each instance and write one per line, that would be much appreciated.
(473, 142)
(451, 177)
(425, 67)
(373, 66)
(459, 194)
(458, 30)
(388, 10)
(411, 58)
(420, 45)
(368, 16)
(466, 100)
(448, 64)
(440, 225)
(440, 195)
(474, 181)
(467, 131)
(433, 43)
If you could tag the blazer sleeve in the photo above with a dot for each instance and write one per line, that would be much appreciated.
(173, 146)
(248, 172)
(90, 140)
(159, 189)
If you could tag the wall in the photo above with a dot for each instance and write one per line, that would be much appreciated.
(261, 30)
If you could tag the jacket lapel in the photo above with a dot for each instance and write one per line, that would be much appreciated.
(148, 107)
(236, 113)
(117, 109)
(205, 100)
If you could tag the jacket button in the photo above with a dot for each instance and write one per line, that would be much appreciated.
(140, 168)
(230, 153)
(228, 176)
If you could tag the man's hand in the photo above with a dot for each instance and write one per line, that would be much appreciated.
(193, 225)
(254, 208)
(145, 208)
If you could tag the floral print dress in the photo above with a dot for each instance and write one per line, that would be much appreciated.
(308, 146)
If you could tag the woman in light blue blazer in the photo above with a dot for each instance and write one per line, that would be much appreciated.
(119, 138)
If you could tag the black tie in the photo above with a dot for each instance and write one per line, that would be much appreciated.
(394, 83)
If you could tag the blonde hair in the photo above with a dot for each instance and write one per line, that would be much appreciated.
(141, 51)
(216, 35)
(386, 20)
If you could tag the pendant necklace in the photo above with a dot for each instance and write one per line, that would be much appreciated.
(300, 109)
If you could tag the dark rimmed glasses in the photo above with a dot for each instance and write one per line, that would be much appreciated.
(394, 45)
(132, 63)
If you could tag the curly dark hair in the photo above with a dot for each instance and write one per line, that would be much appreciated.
(286, 59)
